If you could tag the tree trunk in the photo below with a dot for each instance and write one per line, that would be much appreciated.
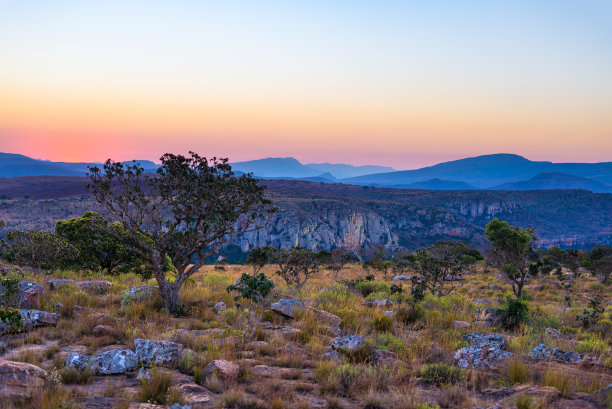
(170, 294)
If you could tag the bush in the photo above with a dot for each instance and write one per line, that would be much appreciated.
(410, 315)
(368, 287)
(74, 376)
(515, 313)
(441, 373)
(382, 323)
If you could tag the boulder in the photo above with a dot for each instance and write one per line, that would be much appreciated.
(58, 283)
(325, 317)
(553, 333)
(222, 368)
(288, 306)
(486, 351)
(402, 278)
(348, 343)
(139, 293)
(461, 324)
(18, 380)
(379, 303)
(102, 330)
(160, 353)
(113, 362)
(30, 298)
(544, 352)
(390, 313)
(332, 355)
(77, 361)
(25, 285)
(489, 314)
(220, 306)
(279, 329)
(99, 286)
(105, 363)
(194, 393)
(37, 318)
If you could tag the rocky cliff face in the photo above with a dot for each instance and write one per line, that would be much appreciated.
(329, 224)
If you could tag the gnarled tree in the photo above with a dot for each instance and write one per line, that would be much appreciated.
(512, 252)
(186, 211)
(441, 266)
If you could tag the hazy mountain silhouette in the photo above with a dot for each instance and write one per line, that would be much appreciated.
(487, 171)
(548, 181)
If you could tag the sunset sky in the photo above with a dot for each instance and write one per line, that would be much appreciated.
(399, 83)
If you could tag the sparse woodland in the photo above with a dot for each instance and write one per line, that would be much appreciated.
(89, 323)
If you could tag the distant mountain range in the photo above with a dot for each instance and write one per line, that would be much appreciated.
(494, 172)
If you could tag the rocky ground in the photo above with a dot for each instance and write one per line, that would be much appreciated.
(96, 341)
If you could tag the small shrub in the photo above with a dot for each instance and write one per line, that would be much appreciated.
(382, 323)
(368, 287)
(515, 313)
(74, 376)
(592, 344)
(441, 373)
(524, 402)
(410, 315)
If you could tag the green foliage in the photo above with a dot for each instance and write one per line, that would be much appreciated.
(156, 388)
(259, 257)
(442, 265)
(11, 317)
(591, 314)
(37, 248)
(253, 288)
(441, 373)
(599, 262)
(515, 313)
(9, 284)
(368, 287)
(382, 323)
(96, 240)
(410, 315)
(512, 251)
(187, 211)
(592, 344)
(297, 265)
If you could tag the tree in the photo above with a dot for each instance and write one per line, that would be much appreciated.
(297, 265)
(37, 248)
(98, 248)
(442, 265)
(555, 259)
(341, 257)
(402, 262)
(254, 290)
(259, 257)
(512, 252)
(186, 211)
(599, 262)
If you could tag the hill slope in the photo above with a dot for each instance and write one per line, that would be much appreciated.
(548, 181)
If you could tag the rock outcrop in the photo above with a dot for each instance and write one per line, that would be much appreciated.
(18, 380)
(544, 352)
(486, 351)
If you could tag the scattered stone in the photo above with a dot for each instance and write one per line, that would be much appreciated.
(102, 330)
(96, 285)
(461, 324)
(113, 362)
(384, 357)
(160, 353)
(325, 317)
(58, 307)
(77, 361)
(551, 332)
(402, 278)
(37, 318)
(279, 329)
(258, 344)
(486, 351)
(102, 402)
(348, 343)
(390, 313)
(78, 309)
(223, 369)
(378, 303)
(25, 285)
(534, 287)
(194, 393)
(288, 306)
(30, 298)
(139, 293)
(18, 380)
(489, 314)
(220, 306)
(105, 363)
(177, 406)
(273, 371)
(180, 332)
(544, 352)
(332, 355)
(58, 283)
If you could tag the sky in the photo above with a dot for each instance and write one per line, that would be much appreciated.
(398, 83)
